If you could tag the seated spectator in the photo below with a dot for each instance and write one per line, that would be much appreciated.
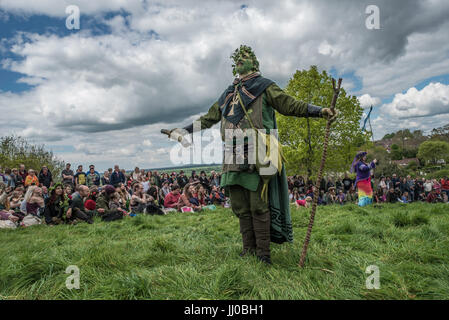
(187, 197)
(172, 198)
(56, 205)
(404, 197)
(16, 199)
(139, 199)
(215, 197)
(379, 196)
(200, 194)
(108, 214)
(77, 212)
(68, 190)
(125, 197)
(165, 188)
(154, 204)
(392, 197)
(341, 198)
(31, 179)
(432, 196)
(114, 201)
(33, 204)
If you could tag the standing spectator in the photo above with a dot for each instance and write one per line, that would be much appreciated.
(137, 175)
(17, 177)
(383, 185)
(330, 184)
(31, 179)
(388, 182)
(80, 177)
(45, 177)
(395, 181)
(428, 187)
(347, 183)
(22, 172)
(92, 177)
(404, 186)
(117, 176)
(105, 179)
(67, 175)
(445, 186)
(419, 189)
(411, 187)
(9, 178)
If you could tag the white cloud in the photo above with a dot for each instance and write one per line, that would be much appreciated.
(366, 101)
(431, 100)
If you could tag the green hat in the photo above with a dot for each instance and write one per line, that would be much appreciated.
(238, 55)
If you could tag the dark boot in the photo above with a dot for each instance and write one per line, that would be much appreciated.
(261, 226)
(265, 259)
(248, 238)
(248, 252)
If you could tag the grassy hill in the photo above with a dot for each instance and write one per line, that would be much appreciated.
(195, 256)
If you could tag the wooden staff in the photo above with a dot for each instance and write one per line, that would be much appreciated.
(320, 173)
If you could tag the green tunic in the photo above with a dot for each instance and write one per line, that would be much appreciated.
(273, 98)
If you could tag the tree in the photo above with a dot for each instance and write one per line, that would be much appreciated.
(441, 133)
(346, 136)
(433, 151)
(15, 150)
(396, 152)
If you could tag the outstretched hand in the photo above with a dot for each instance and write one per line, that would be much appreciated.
(330, 114)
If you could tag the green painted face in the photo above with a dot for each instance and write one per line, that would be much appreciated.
(244, 66)
(245, 61)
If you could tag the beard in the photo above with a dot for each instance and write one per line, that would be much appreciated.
(246, 67)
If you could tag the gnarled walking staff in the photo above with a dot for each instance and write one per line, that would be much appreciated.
(320, 173)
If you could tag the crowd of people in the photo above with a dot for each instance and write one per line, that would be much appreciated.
(27, 198)
(386, 190)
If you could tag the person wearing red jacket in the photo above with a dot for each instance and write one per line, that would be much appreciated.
(445, 185)
(172, 198)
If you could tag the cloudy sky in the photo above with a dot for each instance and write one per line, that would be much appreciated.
(100, 94)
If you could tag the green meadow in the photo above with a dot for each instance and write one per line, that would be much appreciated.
(196, 256)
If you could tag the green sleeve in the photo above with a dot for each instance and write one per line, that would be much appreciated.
(289, 106)
(212, 117)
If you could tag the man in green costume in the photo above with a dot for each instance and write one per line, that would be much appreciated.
(250, 102)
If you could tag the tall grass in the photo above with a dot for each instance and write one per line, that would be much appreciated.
(195, 256)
